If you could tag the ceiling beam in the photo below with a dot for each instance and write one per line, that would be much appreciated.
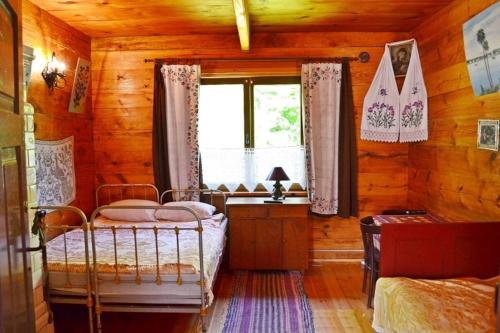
(242, 22)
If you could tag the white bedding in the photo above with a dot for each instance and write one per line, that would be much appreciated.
(444, 306)
(213, 244)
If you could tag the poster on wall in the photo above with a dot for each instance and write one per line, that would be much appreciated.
(80, 86)
(482, 50)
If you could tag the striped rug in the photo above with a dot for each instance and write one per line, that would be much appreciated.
(269, 302)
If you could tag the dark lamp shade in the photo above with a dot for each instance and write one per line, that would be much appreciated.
(277, 173)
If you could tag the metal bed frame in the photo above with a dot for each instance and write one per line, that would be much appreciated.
(131, 303)
(125, 191)
(176, 195)
(93, 297)
(59, 296)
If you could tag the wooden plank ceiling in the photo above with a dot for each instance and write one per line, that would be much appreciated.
(105, 18)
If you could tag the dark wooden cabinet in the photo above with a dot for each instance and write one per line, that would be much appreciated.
(268, 236)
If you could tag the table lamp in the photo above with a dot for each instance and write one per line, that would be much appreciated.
(277, 174)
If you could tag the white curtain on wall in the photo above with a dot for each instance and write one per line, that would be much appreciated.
(182, 85)
(321, 93)
(250, 166)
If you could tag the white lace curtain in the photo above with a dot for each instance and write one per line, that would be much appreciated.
(250, 166)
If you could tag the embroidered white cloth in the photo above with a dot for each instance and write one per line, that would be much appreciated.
(321, 91)
(387, 115)
(413, 102)
(55, 172)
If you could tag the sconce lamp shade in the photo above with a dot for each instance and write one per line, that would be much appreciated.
(277, 173)
(53, 73)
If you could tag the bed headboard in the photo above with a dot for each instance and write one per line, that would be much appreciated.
(107, 193)
(447, 250)
(216, 198)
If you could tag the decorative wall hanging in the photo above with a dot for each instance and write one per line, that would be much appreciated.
(80, 86)
(55, 172)
(482, 50)
(487, 134)
(389, 115)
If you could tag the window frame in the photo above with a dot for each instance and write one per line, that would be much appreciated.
(248, 102)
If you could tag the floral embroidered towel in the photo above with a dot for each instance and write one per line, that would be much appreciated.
(387, 115)
(380, 121)
(413, 102)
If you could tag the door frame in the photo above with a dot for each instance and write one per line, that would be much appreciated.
(16, 138)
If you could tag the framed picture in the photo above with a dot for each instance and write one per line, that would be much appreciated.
(482, 50)
(487, 134)
(80, 86)
(400, 57)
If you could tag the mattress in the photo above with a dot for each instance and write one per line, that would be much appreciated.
(419, 305)
(72, 278)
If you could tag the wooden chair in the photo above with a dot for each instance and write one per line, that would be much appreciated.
(404, 212)
(371, 254)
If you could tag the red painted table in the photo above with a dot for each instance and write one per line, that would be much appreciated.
(427, 218)
(381, 219)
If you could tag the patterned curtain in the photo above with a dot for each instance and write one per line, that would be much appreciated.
(321, 91)
(182, 85)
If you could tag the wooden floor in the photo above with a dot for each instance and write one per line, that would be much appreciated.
(334, 290)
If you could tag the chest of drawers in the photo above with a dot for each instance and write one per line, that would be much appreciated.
(268, 236)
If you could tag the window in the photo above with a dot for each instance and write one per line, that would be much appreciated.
(246, 127)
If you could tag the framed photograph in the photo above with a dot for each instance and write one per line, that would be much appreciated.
(487, 134)
(482, 50)
(80, 86)
(400, 58)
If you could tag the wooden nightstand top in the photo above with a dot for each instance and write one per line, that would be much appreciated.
(244, 201)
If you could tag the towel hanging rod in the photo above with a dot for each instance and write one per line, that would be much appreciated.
(362, 57)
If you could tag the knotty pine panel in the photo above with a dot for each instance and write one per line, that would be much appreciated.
(447, 174)
(159, 17)
(122, 90)
(46, 34)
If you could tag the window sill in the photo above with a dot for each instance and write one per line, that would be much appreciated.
(265, 194)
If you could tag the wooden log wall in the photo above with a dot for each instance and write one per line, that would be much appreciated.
(448, 174)
(46, 34)
(122, 89)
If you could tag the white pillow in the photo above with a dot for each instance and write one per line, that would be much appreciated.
(201, 209)
(131, 215)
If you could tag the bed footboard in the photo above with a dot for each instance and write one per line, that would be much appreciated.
(72, 294)
(149, 274)
(440, 251)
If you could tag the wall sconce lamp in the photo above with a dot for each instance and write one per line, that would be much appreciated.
(53, 73)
